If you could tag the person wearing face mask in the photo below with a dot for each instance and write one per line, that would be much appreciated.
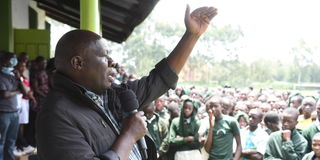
(10, 86)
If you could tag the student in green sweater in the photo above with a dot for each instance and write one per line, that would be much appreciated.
(287, 144)
(184, 132)
(314, 128)
(222, 130)
(157, 127)
(315, 154)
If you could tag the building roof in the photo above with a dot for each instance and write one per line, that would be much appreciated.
(118, 17)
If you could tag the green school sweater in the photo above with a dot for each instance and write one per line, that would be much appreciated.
(292, 150)
(308, 134)
(184, 130)
(158, 130)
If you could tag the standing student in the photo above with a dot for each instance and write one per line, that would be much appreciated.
(288, 143)
(222, 130)
(184, 135)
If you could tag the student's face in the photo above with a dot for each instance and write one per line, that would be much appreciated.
(96, 68)
(254, 119)
(175, 113)
(21, 67)
(159, 103)
(178, 91)
(273, 126)
(295, 103)
(242, 122)
(42, 64)
(148, 112)
(215, 107)
(316, 146)
(289, 121)
(187, 109)
(308, 105)
(226, 108)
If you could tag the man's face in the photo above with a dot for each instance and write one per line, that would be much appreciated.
(187, 109)
(254, 118)
(96, 69)
(289, 121)
(316, 146)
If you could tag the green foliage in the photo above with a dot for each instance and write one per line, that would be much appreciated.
(153, 41)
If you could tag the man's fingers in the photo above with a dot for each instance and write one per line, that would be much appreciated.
(204, 14)
(210, 15)
(199, 11)
(187, 14)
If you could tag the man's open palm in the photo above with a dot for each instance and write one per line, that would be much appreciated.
(197, 22)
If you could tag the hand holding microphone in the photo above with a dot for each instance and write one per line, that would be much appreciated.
(136, 122)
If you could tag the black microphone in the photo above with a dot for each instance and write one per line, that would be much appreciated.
(130, 106)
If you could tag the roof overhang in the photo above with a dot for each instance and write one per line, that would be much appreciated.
(118, 17)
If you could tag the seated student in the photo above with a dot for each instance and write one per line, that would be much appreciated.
(315, 154)
(286, 144)
(253, 138)
(184, 133)
(314, 128)
(222, 130)
(272, 122)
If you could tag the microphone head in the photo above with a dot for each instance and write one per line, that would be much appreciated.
(128, 100)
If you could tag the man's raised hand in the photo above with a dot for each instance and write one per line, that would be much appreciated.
(197, 22)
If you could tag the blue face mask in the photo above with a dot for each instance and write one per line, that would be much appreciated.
(13, 61)
(7, 70)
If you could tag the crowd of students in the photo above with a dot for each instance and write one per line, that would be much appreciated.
(185, 123)
(232, 123)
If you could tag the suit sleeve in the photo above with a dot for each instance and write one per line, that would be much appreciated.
(159, 81)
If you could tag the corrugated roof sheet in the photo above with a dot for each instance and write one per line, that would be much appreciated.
(118, 17)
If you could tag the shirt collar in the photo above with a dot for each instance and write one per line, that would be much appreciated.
(151, 119)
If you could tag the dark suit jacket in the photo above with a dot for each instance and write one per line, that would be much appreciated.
(70, 126)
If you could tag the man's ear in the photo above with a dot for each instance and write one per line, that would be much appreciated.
(77, 63)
